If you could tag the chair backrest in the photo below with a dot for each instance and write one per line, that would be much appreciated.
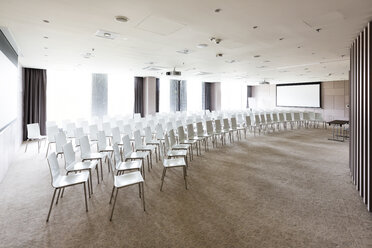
(268, 117)
(281, 117)
(127, 149)
(148, 134)
(190, 131)
(209, 127)
(172, 138)
(166, 142)
(79, 132)
(318, 117)
(226, 124)
(128, 129)
(137, 139)
(137, 116)
(33, 131)
(275, 117)
(107, 128)
(296, 116)
(248, 121)
(116, 138)
(181, 134)
(234, 125)
(50, 123)
(117, 155)
(159, 131)
(53, 167)
(120, 125)
(60, 141)
(200, 128)
(218, 125)
(70, 128)
(84, 145)
(257, 119)
(52, 131)
(68, 150)
(102, 143)
(288, 116)
(262, 117)
(93, 130)
(306, 116)
(169, 126)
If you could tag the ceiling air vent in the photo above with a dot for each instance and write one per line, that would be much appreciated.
(106, 34)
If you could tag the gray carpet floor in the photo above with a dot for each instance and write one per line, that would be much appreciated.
(287, 189)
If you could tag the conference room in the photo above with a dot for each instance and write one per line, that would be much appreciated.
(185, 123)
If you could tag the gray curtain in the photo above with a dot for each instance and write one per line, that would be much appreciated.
(207, 96)
(99, 94)
(157, 95)
(34, 99)
(138, 96)
(178, 95)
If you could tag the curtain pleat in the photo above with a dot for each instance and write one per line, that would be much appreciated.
(34, 99)
(138, 96)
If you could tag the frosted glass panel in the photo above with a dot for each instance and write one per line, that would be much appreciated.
(121, 95)
(233, 95)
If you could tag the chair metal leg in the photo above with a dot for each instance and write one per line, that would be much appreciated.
(143, 196)
(113, 206)
(91, 182)
(59, 192)
(27, 141)
(112, 194)
(162, 178)
(100, 160)
(185, 176)
(139, 190)
(38, 146)
(46, 155)
(51, 205)
(85, 196)
(63, 191)
(97, 169)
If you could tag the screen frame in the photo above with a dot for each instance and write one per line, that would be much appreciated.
(291, 84)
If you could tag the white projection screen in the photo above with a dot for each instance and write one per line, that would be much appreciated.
(8, 91)
(304, 95)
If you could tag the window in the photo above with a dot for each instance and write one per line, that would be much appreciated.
(120, 95)
(68, 95)
(233, 95)
(194, 95)
(164, 95)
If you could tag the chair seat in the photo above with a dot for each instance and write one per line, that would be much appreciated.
(93, 155)
(204, 135)
(77, 166)
(181, 146)
(174, 162)
(128, 179)
(146, 148)
(188, 142)
(38, 137)
(129, 165)
(175, 153)
(136, 155)
(197, 138)
(153, 142)
(107, 149)
(63, 181)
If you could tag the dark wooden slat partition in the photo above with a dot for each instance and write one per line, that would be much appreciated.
(361, 106)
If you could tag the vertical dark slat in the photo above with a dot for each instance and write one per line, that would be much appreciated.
(369, 72)
(357, 113)
(365, 119)
(361, 112)
(351, 112)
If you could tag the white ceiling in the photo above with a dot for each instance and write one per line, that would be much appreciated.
(156, 30)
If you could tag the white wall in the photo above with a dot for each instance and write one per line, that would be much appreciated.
(149, 94)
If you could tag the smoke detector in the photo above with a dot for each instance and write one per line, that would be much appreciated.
(121, 18)
(264, 82)
(106, 34)
(215, 40)
(219, 55)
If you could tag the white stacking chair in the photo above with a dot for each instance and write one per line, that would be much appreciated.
(174, 162)
(182, 140)
(150, 141)
(71, 165)
(175, 146)
(202, 134)
(61, 140)
(88, 155)
(219, 132)
(210, 131)
(123, 166)
(52, 131)
(227, 129)
(318, 118)
(129, 155)
(60, 182)
(79, 132)
(306, 119)
(191, 136)
(169, 153)
(107, 129)
(116, 136)
(93, 131)
(276, 121)
(139, 147)
(297, 119)
(282, 120)
(125, 180)
(70, 128)
(103, 148)
(237, 129)
(33, 133)
(288, 119)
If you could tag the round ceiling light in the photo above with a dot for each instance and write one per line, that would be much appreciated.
(217, 10)
(46, 21)
(202, 46)
(121, 18)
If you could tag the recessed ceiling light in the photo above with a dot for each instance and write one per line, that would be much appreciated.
(202, 46)
(121, 18)
(184, 51)
(318, 30)
(281, 38)
(219, 55)
(230, 61)
(267, 61)
(217, 10)
(254, 27)
(107, 34)
(256, 56)
(299, 47)
(46, 21)
(46, 37)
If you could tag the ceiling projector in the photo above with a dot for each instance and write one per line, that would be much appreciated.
(264, 82)
(173, 73)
